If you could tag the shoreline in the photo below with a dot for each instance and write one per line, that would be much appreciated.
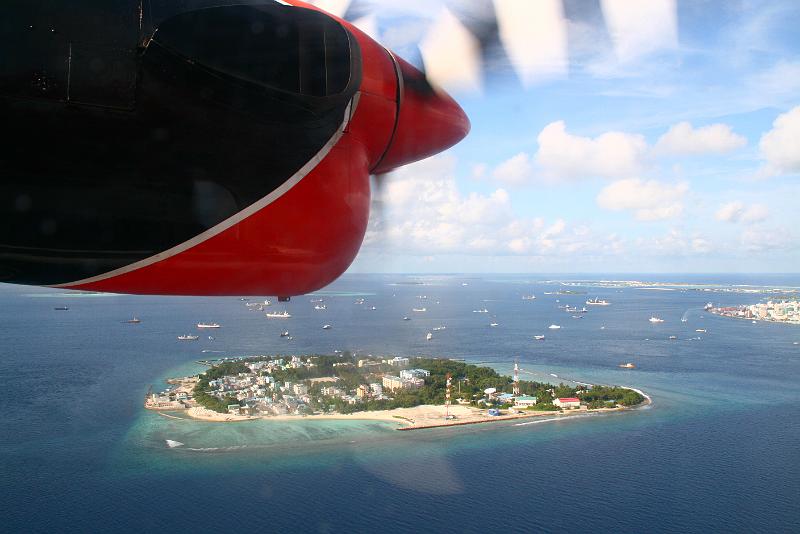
(415, 418)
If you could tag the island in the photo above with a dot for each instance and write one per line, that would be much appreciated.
(420, 392)
(785, 311)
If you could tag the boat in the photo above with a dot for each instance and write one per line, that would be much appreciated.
(484, 310)
(435, 328)
(418, 309)
(673, 337)
(703, 330)
(754, 322)
(321, 307)
(326, 327)
(428, 337)
(492, 324)
(171, 443)
(267, 303)
(709, 306)
(317, 300)
(570, 309)
(208, 325)
(597, 302)
(359, 301)
(61, 308)
(187, 337)
(554, 327)
(577, 316)
(554, 375)
(538, 338)
(655, 319)
(211, 338)
(134, 320)
(628, 365)
(422, 296)
(373, 308)
(584, 310)
(528, 297)
(278, 315)
(285, 334)
(406, 318)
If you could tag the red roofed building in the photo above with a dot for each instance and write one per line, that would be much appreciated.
(567, 402)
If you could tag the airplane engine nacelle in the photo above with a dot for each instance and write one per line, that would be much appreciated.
(224, 151)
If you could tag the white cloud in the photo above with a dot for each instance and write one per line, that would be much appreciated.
(760, 239)
(565, 156)
(516, 170)
(683, 138)
(641, 27)
(424, 213)
(780, 147)
(676, 242)
(737, 211)
(649, 200)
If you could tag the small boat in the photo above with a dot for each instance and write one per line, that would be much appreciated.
(655, 319)
(188, 337)
(317, 300)
(484, 310)
(754, 322)
(554, 327)
(373, 308)
(435, 328)
(428, 337)
(493, 324)
(422, 296)
(628, 365)
(418, 309)
(703, 330)
(134, 320)
(538, 338)
(321, 307)
(267, 303)
(673, 337)
(208, 325)
(61, 308)
(597, 302)
(211, 338)
(577, 316)
(171, 443)
(528, 297)
(285, 334)
(406, 318)
(709, 306)
(554, 375)
(326, 327)
(278, 315)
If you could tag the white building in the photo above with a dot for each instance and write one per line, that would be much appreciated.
(567, 402)
(408, 374)
(300, 389)
(523, 401)
(398, 361)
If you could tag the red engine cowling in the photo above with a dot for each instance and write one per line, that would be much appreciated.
(305, 233)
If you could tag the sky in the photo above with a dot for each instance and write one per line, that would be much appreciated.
(648, 136)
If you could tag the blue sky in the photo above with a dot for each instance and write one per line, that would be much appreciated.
(663, 138)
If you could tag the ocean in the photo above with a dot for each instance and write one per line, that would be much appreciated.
(716, 451)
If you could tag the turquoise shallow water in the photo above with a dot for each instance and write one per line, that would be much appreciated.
(715, 452)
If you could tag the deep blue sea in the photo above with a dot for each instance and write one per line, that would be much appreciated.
(718, 450)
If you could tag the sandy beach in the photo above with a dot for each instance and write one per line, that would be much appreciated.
(418, 417)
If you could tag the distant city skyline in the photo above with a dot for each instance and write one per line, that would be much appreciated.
(673, 148)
